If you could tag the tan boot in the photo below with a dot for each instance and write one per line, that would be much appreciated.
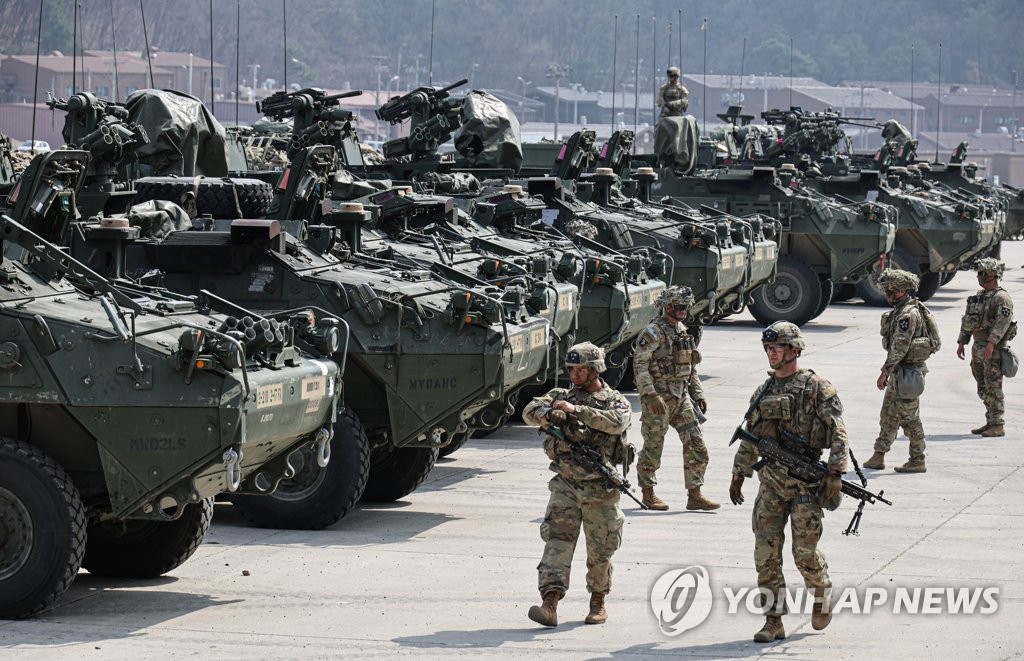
(994, 430)
(597, 615)
(822, 613)
(547, 612)
(877, 461)
(981, 429)
(697, 501)
(771, 631)
(912, 466)
(652, 501)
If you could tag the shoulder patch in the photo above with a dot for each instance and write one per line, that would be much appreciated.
(1005, 311)
(904, 324)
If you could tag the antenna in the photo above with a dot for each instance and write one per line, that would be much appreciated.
(654, 70)
(938, 106)
(35, 87)
(145, 33)
(743, 62)
(704, 101)
(680, 24)
(913, 115)
(430, 64)
(74, 50)
(669, 58)
(213, 94)
(284, 12)
(113, 40)
(238, 41)
(791, 72)
(615, 55)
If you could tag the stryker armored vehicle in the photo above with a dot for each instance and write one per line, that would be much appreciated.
(126, 409)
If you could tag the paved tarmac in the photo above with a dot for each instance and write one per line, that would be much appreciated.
(451, 570)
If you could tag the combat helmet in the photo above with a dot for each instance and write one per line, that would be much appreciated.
(896, 279)
(990, 266)
(586, 353)
(783, 332)
(673, 71)
(675, 295)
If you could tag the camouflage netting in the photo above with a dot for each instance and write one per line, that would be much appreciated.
(897, 279)
(783, 332)
(580, 228)
(676, 140)
(489, 135)
(185, 139)
(456, 182)
(990, 265)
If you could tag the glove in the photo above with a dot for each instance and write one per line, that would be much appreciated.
(702, 404)
(831, 486)
(736, 490)
(556, 418)
(655, 404)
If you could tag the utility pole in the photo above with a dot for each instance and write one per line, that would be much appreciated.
(558, 72)
(255, 72)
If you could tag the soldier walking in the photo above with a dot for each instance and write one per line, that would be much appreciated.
(799, 401)
(989, 320)
(665, 373)
(580, 497)
(910, 336)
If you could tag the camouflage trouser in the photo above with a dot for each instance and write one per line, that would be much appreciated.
(771, 509)
(572, 505)
(898, 413)
(653, 428)
(989, 377)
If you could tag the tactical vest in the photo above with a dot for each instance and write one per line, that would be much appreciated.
(791, 405)
(980, 316)
(673, 361)
(926, 339)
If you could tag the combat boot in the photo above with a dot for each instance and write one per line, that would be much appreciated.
(994, 430)
(597, 614)
(822, 613)
(912, 466)
(981, 429)
(547, 612)
(877, 461)
(652, 501)
(771, 631)
(697, 501)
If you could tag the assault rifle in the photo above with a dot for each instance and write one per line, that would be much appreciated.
(590, 458)
(790, 453)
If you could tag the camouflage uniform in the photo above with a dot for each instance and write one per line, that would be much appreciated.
(579, 496)
(808, 406)
(673, 98)
(905, 337)
(989, 318)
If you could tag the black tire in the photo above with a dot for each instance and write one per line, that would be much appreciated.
(396, 473)
(868, 288)
(460, 439)
(141, 548)
(697, 333)
(843, 292)
(43, 520)
(946, 278)
(316, 497)
(213, 196)
(827, 289)
(930, 281)
(793, 296)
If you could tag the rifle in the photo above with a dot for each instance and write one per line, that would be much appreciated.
(588, 457)
(789, 454)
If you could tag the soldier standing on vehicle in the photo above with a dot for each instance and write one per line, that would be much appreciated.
(799, 401)
(665, 373)
(910, 335)
(594, 413)
(989, 320)
(673, 98)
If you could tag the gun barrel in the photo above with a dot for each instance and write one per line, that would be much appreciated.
(343, 95)
(454, 85)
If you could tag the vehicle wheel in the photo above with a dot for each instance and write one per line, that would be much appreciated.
(396, 473)
(827, 287)
(929, 285)
(140, 548)
(511, 403)
(793, 296)
(843, 292)
(316, 497)
(214, 196)
(42, 530)
(946, 278)
(621, 377)
(460, 439)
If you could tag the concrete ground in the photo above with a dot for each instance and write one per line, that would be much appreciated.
(451, 570)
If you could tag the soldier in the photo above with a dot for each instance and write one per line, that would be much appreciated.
(579, 495)
(910, 336)
(799, 401)
(665, 373)
(989, 319)
(673, 98)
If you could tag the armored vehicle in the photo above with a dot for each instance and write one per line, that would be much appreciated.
(125, 409)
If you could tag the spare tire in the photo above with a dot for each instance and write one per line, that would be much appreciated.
(220, 198)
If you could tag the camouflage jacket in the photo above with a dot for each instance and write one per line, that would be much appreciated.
(806, 405)
(606, 414)
(988, 317)
(900, 327)
(673, 100)
(665, 362)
